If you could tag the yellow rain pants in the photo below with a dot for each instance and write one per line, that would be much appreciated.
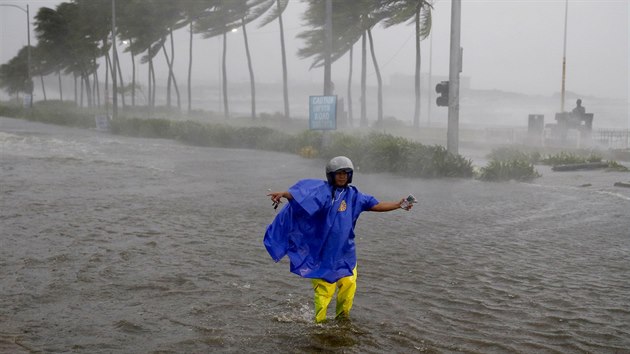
(324, 292)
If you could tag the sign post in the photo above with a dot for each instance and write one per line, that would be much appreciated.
(322, 112)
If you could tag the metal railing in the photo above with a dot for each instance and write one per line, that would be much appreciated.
(612, 138)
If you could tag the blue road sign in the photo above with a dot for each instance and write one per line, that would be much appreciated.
(322, 112)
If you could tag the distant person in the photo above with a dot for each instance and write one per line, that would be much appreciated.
(579, 110)
(316, 231)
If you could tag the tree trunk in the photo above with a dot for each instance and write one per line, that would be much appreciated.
(179, 99)
(76, 93)
(41, 78)
(80, 88)
(252, 83)
(416, 112)
(133, 77)
(88, 89)
(108, 63)
(364, 122)
(121, 85)
(97, 90)
(149, 86)
(60, 86)
(285, 86)
(170, 78)
(226, 108)
(378, 78)
(190, 58)
(350, 117)
(153, 84)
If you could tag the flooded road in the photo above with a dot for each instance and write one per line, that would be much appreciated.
(117, 244)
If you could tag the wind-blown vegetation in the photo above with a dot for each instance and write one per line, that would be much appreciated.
(506, 170)
(375, 152)
(563, 158)
(372, 152)
(510, 163)
(75, 39)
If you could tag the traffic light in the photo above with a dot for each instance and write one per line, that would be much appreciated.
(442, 89)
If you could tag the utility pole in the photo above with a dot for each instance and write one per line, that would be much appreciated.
(328, 49)
(114, 62)
(564, 55)
(430, 87)
(28, 53)
(452, 135)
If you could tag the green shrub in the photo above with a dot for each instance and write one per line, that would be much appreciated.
(512, 153)
(616, 166)
(380, 152)
(308, 138)
(346, 145)
(386, 153)
(564, 158)
(519, 170)
(7, 110)
(376, 152)
(146, 128)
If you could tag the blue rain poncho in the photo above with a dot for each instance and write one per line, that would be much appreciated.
(316, 229)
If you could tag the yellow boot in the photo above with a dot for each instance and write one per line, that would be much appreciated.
(324, 292)
(345, 295)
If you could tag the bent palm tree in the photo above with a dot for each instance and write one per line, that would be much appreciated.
(277, 11)
(218, 18)
(417, 12)
(351, 21)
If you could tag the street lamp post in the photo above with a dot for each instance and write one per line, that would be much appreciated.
(28, 48)
(564, 56)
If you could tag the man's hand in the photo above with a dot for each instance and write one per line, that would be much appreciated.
(276, 197)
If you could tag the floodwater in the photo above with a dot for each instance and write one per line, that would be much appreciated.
(117, 244)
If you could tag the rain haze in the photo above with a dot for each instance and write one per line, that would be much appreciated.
(148, 237)
(509, 47)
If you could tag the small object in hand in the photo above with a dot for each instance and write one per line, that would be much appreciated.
(408, 202)
(275, 205)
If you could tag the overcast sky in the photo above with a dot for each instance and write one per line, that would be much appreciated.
(510, 45)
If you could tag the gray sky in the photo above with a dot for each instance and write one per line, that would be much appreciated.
(510, 45)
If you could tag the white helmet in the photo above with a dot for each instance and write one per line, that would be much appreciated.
(339, 163)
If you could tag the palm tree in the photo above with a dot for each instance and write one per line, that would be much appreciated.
(378, 79)
(277, 11)
(253, 10)
(39, 67)
(76, 39)
(95, 16)
(50, 31)
(140, 23)
(350, 116)
(351, 21)
(169, 16)
(417, 12)
(219, 18)
(14, 74)
(171, 75)
(190, 10)
(248, 10)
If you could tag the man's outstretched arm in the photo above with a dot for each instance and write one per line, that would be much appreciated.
(389, 206)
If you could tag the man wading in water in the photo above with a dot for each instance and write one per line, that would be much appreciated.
(316, 231)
